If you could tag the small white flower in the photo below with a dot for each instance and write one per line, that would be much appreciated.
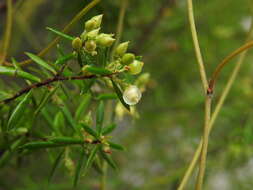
(132, 95)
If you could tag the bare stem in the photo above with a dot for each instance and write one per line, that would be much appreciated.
(225, 61)
(7, 35)
(215, 114)
(196, 45)
(103, 177)
(202, 163)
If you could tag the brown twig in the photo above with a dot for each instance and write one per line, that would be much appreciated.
(49, 81)
(224, 62)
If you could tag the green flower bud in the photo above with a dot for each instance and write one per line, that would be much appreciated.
(105, 40)
(98, 20)
(135, 67)
(90, 25)
(121, 49)
(128, 58)
(84, 36)
(93, 23)
(77, 43)
(86, 72)
(107, 149)
(92, 34)
(90, 46)
(132, 95)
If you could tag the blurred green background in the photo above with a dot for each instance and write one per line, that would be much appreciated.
(162, 141)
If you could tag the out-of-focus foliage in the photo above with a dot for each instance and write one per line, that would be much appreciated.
(162, 141)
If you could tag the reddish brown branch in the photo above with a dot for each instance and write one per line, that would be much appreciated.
(224, 62)
(49, 81)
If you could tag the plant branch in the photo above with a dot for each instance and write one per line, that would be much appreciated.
(7, 34)
(196, 45)
(66, 29)
(225, 61)
(202, 163)
(215, 113)
(49, 81)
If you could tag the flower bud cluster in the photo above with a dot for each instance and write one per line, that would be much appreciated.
(127, 60)
(91, 38)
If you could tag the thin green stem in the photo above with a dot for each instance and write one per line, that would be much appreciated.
(196, 45)
(215, 114)
(7, 35)
(66, 29)
(191, 167)
(202, 163)
(103, 177)
(120, 23)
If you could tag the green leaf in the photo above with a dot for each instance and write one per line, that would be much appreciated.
(55, 165)
(58, 122)
(109, 160)
(66, 140)
(47, 117)
(90, 158)
(6, 156)
(69, 117)
(83, 106)
(116, 146)
(17, 72)
(107, 96)
(45, 99)
(41, 62)
(79, 167)
(64, 59)
(40, 144)
(100, 116)
(89, 130)
(87, 85)
(19, 111)
(60, 33)
(98, 70)
(108, 129)
(120, 95)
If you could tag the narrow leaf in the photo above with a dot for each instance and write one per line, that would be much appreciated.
(107, 96)
(45, 99)
(90, 158)
(116, 146)
(83, 106)
(55, 165)
(19, 111)
(109, 160)
(6, 156)
(100, 116)
(41, 62)
(64, 59)
(66, 140)
(79, 167)
(89, 130)
(17, 72)
(60, 34)
(40, 144)
(120, 95)
(108, 129)
(69, 117)
(98, 70)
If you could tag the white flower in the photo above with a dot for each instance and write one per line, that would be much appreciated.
(132, 95)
